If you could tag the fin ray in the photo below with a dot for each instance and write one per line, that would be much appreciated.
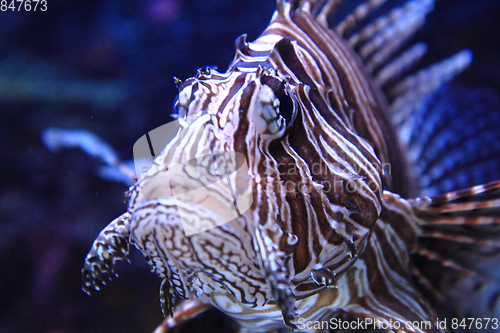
(401, 64)
(358, 15)
(460, 232)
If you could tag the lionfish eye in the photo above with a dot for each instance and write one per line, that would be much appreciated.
(177, 110)
(286, 107)
(286, 103)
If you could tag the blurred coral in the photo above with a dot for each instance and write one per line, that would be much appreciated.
(30, 80)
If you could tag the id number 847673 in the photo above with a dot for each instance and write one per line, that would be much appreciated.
(23, 5)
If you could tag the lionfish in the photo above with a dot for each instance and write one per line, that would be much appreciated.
(326, 119)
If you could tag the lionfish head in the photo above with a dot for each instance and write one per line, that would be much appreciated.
(226, 123)
(234, 186)
(208, 176)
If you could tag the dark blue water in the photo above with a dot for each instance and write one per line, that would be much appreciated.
(107, 66)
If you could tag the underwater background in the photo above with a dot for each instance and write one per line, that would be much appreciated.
(107, 66)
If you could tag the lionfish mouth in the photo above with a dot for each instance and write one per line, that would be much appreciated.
(156, 231)
(187, 199)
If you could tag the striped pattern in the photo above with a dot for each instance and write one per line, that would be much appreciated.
(304, 105)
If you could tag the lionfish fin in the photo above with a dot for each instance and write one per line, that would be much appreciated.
(185, 310)
(445, 140)
(326, 10)
(323, 10)
(478, 205)
(460, 233)
(424, 281)
(386, 263)
(380, 40)
(417, 87)
(358, 15)
(167, 298)
(452, 138)
(430, 255)
(110, 246)
(401, 64)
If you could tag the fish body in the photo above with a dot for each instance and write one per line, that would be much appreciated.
(320, 121)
